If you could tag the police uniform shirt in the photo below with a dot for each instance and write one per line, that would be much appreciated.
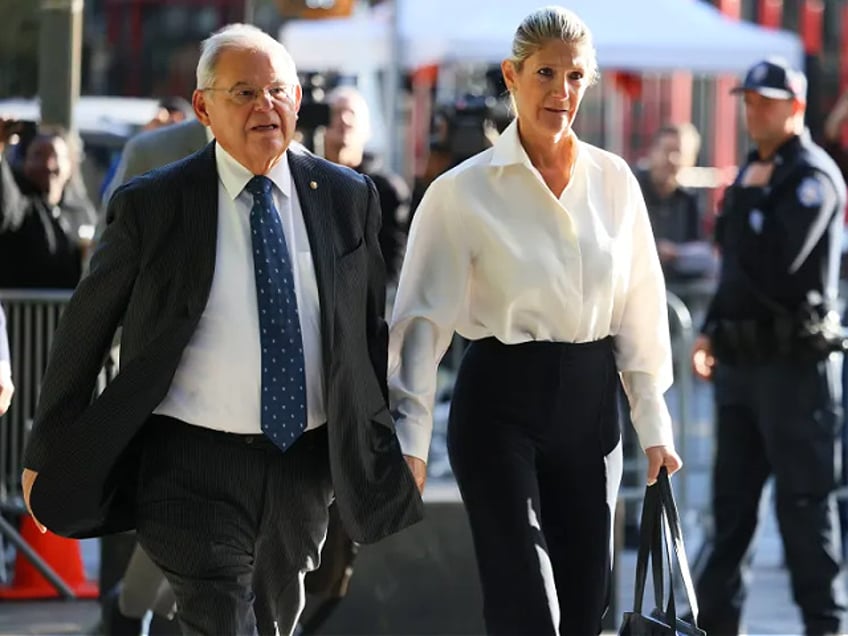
(783, 240)
(493, 252)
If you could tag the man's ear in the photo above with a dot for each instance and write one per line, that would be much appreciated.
(298, 96)
(198, 102)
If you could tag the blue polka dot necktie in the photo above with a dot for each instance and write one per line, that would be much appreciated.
(283, 380)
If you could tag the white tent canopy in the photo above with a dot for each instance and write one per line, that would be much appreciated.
(660, 35)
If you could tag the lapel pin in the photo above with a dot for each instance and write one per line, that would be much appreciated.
(313, 185)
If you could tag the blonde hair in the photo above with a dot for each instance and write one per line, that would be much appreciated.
(553, 23)
(237, 36)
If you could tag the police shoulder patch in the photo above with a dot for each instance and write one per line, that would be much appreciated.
(755, 220)
(810, 192)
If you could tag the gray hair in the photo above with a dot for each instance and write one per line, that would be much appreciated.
(346, 91)
(237, 36)
(553, 23)
(360, 105)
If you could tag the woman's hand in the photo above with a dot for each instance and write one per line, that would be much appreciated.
(659, 456)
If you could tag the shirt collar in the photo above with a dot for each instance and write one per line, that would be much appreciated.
(235, 176)
(786, 150)
(508, 149)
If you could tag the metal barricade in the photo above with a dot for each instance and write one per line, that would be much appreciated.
(688, 303)
(32, 318)
(682, 338)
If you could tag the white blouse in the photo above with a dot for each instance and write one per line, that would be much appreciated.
(492, 252)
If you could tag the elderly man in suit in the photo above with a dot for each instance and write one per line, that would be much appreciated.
(250, 288)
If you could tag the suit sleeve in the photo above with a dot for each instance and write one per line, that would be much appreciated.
(378, 334)
(85, 333)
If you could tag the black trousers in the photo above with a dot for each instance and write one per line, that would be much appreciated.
(779, 419)
(533, 438)
(234, 523)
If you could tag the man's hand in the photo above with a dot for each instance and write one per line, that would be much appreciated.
(28, 479)
(418, 468)
(702, 358)
(8, 127)
(667, 250)
(758, 174)
(659, 456)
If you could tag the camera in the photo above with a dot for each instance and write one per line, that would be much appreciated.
(23, 132)
(467, 126)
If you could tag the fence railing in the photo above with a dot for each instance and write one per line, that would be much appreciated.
(31, 321)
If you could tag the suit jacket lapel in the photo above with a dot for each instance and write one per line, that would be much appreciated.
(316, 204)
(200, 220)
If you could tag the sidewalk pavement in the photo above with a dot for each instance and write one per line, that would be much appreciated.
(769, 610)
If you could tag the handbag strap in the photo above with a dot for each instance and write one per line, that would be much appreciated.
(660, 531)
(650, 547)
(669, 508)
(666, 541)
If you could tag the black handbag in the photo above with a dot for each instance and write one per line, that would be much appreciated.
(660, 534)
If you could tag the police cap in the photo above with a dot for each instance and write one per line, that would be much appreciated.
(774, 78)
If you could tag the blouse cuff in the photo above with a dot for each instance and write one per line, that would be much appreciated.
(414, 438)
(648, 410)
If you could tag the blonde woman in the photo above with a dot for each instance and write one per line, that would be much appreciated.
(538, 250)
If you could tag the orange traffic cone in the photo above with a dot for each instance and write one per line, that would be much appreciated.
(62, 555)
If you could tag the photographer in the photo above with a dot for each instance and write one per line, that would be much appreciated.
(459, 130)
(45, 228)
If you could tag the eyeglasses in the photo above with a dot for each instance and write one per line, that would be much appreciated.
(243, 95)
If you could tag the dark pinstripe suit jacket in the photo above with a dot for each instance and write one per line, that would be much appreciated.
(152, 273)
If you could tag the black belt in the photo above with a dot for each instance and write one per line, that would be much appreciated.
(169, 425)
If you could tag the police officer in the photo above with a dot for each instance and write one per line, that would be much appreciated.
(776, 387)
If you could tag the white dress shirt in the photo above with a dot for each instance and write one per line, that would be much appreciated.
(493, 252)
(218, 381)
